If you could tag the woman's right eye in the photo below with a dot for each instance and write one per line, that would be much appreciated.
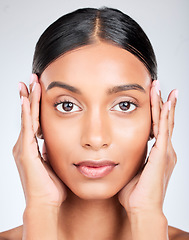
(66, 107)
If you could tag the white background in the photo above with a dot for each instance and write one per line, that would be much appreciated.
(166, 22)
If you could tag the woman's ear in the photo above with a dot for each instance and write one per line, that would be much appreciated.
(151, 136)
(40, 133)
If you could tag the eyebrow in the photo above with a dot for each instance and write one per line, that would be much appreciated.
(110, 91)
(63, 85)
(125, 87)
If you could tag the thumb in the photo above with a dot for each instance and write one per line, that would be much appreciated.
(128, 189)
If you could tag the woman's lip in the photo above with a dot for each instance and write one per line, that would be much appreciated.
(96, 163)
(95, 169)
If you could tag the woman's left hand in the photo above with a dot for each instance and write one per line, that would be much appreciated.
(145, 193)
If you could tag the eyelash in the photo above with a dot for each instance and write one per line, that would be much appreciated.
(128, 102)
(69, 101)
(62, 102)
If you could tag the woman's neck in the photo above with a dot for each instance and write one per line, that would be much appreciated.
(92, 219)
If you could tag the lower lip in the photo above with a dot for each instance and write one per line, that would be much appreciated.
(95, 172)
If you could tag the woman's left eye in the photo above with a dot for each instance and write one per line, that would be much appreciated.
(125, 106)
(66, 107)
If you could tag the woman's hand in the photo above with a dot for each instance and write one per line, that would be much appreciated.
(144, 194)
(41, 185)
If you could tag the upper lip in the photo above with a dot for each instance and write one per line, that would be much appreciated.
(96, 163)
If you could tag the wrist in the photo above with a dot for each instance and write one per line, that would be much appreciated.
(40, 222)
(149, 225)
(31, 211)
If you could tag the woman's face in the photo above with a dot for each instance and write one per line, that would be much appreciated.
(106, 116)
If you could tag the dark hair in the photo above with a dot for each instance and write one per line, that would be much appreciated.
(88, 25)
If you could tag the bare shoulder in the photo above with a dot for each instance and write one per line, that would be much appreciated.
(177, 234)
(16, 234)
(13, 234)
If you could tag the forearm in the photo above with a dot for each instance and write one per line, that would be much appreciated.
(149, 226)
(40, 223)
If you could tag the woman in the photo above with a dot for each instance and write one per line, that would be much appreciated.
(95, 99)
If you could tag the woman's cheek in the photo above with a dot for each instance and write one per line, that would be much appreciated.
(132, 144)
(59, 138)
(57, 134)
(132, 134)
(134, 127)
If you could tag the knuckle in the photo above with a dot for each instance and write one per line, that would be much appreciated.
(22, 114)
(167, 132)
(175, 157)
(23, 127)
(20, 159)
(172, 124)
(14, 150)
(18, 154)
(174, 104)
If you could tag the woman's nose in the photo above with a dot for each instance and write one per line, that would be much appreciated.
(96, 132)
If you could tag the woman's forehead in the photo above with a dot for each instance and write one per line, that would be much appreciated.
(102, 62)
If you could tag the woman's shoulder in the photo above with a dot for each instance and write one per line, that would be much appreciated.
(16, 234)
(177, 234)
(12, 234)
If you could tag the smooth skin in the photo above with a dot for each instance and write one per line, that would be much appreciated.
(63, 204)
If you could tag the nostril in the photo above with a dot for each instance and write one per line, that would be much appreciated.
(105, 145)
(96, 147)
(87, 145)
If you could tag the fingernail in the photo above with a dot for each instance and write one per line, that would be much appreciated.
(21, 100)
(158, 84)
(176, 94)
(169, 105)
(19, 86)
(32, 78)
(33, 86)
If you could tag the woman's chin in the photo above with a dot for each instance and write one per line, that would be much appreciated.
(99, 192)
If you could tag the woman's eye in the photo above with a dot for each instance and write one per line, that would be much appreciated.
(125, 106)
(66, 107)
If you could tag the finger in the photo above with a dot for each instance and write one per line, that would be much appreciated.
(26, 129)
(35, 105)
(33, 80)
(161, 101)
(173, 98)
(23, 90)
(163, 134)
(155, 106)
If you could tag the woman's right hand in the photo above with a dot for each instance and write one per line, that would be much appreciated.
(40, 184)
